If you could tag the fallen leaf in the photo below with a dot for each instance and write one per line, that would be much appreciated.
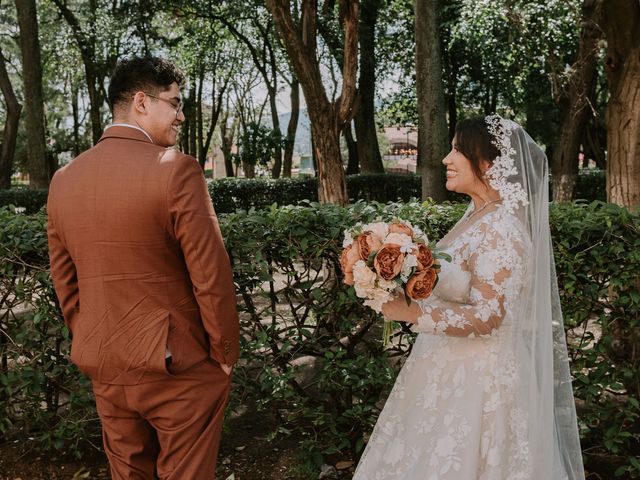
(343, 465)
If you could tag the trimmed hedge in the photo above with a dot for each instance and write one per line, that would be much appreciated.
(230, 194)
(30, 200)
(310, 350)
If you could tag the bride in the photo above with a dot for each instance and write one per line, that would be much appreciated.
(485, 393)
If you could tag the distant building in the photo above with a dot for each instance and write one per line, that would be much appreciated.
(402, 155)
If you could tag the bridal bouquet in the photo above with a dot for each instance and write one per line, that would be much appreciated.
(378, 258)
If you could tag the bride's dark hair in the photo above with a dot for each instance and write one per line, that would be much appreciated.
(475, 142)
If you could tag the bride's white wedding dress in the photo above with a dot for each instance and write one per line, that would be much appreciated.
(486, 391)
(453, 413)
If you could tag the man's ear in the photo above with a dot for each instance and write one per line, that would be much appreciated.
(138, 103)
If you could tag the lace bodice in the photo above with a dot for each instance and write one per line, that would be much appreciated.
(482, 280)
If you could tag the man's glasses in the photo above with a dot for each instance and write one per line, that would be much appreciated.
(177, 108)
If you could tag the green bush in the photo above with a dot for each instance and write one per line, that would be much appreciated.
(231, 194)
(30, 200)
(42, 395)
(310, 351)
(591, 185)
(597, 252)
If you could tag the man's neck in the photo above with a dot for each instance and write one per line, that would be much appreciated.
(125, 123)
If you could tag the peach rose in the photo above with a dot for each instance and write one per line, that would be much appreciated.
(368, 243)
(400, 228)
(424, 255)
(348, 258)
(421, 284)
(388, 261)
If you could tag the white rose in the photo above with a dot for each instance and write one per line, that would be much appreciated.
(377, 298)
(409, 262)
(388, 285)
(379, 229)
(364, 279)
(398, 239)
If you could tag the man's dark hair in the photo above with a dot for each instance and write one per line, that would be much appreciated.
(475, 142)
(147, 74)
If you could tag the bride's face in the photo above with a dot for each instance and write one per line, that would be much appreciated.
(460, 175)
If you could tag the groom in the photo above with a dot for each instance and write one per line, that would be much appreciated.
(145, 283)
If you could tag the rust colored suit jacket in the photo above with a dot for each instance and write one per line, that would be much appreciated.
(138, 261)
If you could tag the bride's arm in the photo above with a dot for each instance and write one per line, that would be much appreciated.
(495, 267)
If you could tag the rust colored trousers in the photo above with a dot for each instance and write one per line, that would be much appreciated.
(167, 429)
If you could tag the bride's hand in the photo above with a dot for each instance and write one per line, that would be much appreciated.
(398, 310)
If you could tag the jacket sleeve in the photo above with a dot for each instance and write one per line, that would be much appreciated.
(63, 273)
(496, 270)
(196, 228)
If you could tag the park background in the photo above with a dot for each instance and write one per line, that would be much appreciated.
(306, 113)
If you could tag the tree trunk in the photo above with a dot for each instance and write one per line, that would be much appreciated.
(249, 169)
(200, 155)
(433, 142)
(95, 99)
(32, 78)
(76, 118)
(277, 152)
(10, 134)
(576, 100)
(353, 166)
(327, 118)
(192, 116)
(332, 186)
(226, 136)
(366, 131)
(292, 128)
(621, 25)
(451, 68)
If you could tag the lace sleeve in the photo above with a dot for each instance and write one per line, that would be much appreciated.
(495, 262)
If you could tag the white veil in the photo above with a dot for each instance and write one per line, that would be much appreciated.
(520, 175)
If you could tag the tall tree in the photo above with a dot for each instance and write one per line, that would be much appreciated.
(265, 60)
(327, 117)
(367, 139)
(576, 96)
(621, 25)
(95, 71)
(32, 77)
(363, 151)
(292, 128)
(10, 134)
(433, 137)
(227, 136)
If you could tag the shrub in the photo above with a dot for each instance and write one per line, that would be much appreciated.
(41, 393)
(597, 252)
(591, 185)
(310, 351)
(30, 200)
(230, 194)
